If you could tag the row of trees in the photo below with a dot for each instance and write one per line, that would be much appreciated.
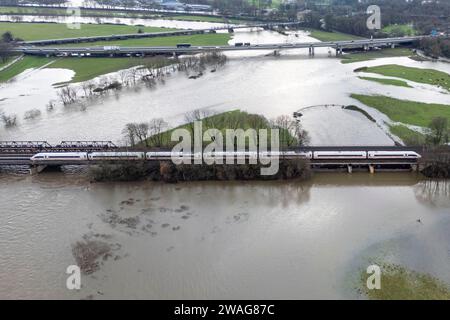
(435, 47)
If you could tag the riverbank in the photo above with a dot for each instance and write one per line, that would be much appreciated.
(408, 136)
(167, 171)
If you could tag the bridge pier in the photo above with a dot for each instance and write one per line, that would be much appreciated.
(349, 168)
(311, 51)
(371, 168)
(414, 167)
(338, 51)
(230, 30)
(276, 53)
(393, 45)
(37, 169)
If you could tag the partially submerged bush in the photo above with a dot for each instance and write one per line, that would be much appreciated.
(88, 253)
(32, 114)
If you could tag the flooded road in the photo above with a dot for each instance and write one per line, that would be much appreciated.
(218, 240)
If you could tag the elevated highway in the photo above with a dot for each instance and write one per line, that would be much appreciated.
(177, 50)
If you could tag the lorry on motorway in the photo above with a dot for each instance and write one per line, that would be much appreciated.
(109, 48)
(183, 45)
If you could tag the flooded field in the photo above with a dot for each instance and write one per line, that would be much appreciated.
(255, 82)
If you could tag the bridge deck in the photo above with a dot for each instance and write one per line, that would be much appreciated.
(106, 51)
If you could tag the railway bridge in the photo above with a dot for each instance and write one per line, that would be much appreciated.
(19, 153)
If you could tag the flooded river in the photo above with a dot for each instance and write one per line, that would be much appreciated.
(219, 240)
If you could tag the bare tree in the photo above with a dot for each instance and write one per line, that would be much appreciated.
(67, 95)
(129, 133)
(291, 131)
(156, 128)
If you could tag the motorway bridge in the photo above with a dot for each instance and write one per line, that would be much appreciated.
(18, 153)
(365, 44)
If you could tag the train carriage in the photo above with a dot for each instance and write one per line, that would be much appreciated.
(59, 156)
(116, 156)
(337, 155)
(393, 155)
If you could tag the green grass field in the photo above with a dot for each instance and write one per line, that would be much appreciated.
(331, 36)
(371, 55)
(391, 82)
(89, 68)
(409, 137)
(400, 283)
(427, 76)
(215, 39)
(39, 31)
(27, 62)
(399, 30)
(409, 112)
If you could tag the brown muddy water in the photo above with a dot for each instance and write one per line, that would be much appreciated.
(233, 240)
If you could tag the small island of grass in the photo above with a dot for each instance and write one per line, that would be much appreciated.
(391, 82)
(400, 283)
(426, 76)
(405, 111)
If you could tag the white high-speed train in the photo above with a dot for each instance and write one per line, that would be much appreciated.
(167, 155)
